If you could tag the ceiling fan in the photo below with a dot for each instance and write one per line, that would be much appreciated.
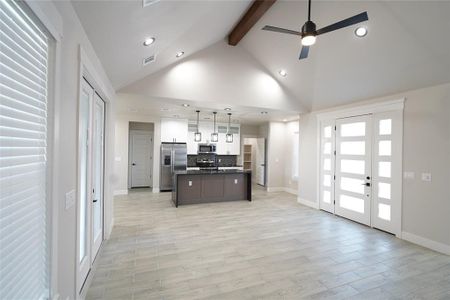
(309, 32)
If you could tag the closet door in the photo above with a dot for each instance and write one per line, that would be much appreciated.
(353, 190)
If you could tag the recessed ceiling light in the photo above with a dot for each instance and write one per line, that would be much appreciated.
(179, 54)
(361, 31)
(284, 120)
(149, 41)
(185, 105)
(282, 73)
(227, 109)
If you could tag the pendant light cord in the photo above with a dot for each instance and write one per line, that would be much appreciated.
(198, 116)
(309, 10)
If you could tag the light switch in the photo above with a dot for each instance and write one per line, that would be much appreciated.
(409, 175)
(426, 177)
(235, 181)
(190, 183)
(118, 158)
(70, 199)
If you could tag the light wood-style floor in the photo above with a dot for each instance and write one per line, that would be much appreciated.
(271, 248)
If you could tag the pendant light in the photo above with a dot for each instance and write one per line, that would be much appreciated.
(229, 136)
(197, 134)
(214, 135)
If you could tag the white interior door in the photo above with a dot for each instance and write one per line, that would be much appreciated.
(353, 168)
(261, 161)
(141, 144)
(97, 178)
(84, 184)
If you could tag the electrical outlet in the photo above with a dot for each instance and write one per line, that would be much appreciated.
(70, 199)
(235, 181)
(426, 177)
(409, 175)
(190, 183)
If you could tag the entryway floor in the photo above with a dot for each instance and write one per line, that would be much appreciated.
(270, 248)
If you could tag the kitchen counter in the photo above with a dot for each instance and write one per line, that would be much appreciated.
(206, 186)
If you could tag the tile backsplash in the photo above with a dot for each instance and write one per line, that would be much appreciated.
(223, 160)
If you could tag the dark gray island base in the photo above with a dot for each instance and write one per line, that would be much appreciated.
(192, 187)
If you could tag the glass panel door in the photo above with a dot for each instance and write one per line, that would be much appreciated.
(84, 186)
(327, 140)
(97, 179)
(353, 172)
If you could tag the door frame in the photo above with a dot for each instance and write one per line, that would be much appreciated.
(130, 151)
(87, 71)
(396, 105)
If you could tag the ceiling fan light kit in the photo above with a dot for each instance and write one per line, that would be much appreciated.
(309, 33)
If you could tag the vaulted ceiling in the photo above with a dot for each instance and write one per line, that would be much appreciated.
(406, 48)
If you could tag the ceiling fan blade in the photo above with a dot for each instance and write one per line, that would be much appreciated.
(304, 52)
(345, 23)
(281, 30)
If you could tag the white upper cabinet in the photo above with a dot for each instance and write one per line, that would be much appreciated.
(174, 130)
(206, 128)
(224, 148)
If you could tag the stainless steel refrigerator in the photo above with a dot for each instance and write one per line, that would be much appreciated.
(173, 158)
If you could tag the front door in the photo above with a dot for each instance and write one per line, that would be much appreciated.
(353, 168)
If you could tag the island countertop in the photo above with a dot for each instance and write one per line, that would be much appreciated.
(205, 186)
(212, 172)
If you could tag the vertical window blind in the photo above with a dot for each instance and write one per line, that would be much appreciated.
(24, 51)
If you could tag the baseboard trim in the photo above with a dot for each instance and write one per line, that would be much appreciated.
(308, 203)
(291, 191)
(281, 189)
(120, 192)
(155, 190)
(427, 243)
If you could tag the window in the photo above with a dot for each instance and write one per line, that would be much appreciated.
(295, 154)
(24, 250)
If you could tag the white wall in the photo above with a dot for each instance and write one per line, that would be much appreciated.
(61, 20)
(426, 148)
(291, 183)
(220, 74)
(280, 156)
(121, 149)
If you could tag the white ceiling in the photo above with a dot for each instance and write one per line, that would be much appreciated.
(117, 30)
(171, 108)
(406, 48)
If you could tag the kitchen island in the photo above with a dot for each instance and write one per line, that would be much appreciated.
(198, 186)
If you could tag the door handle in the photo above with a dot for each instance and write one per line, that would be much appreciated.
(95, 200)
(133, 164)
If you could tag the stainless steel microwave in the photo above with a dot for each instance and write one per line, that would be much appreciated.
(206, 148)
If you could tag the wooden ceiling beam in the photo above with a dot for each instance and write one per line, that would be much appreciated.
(253, 14)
